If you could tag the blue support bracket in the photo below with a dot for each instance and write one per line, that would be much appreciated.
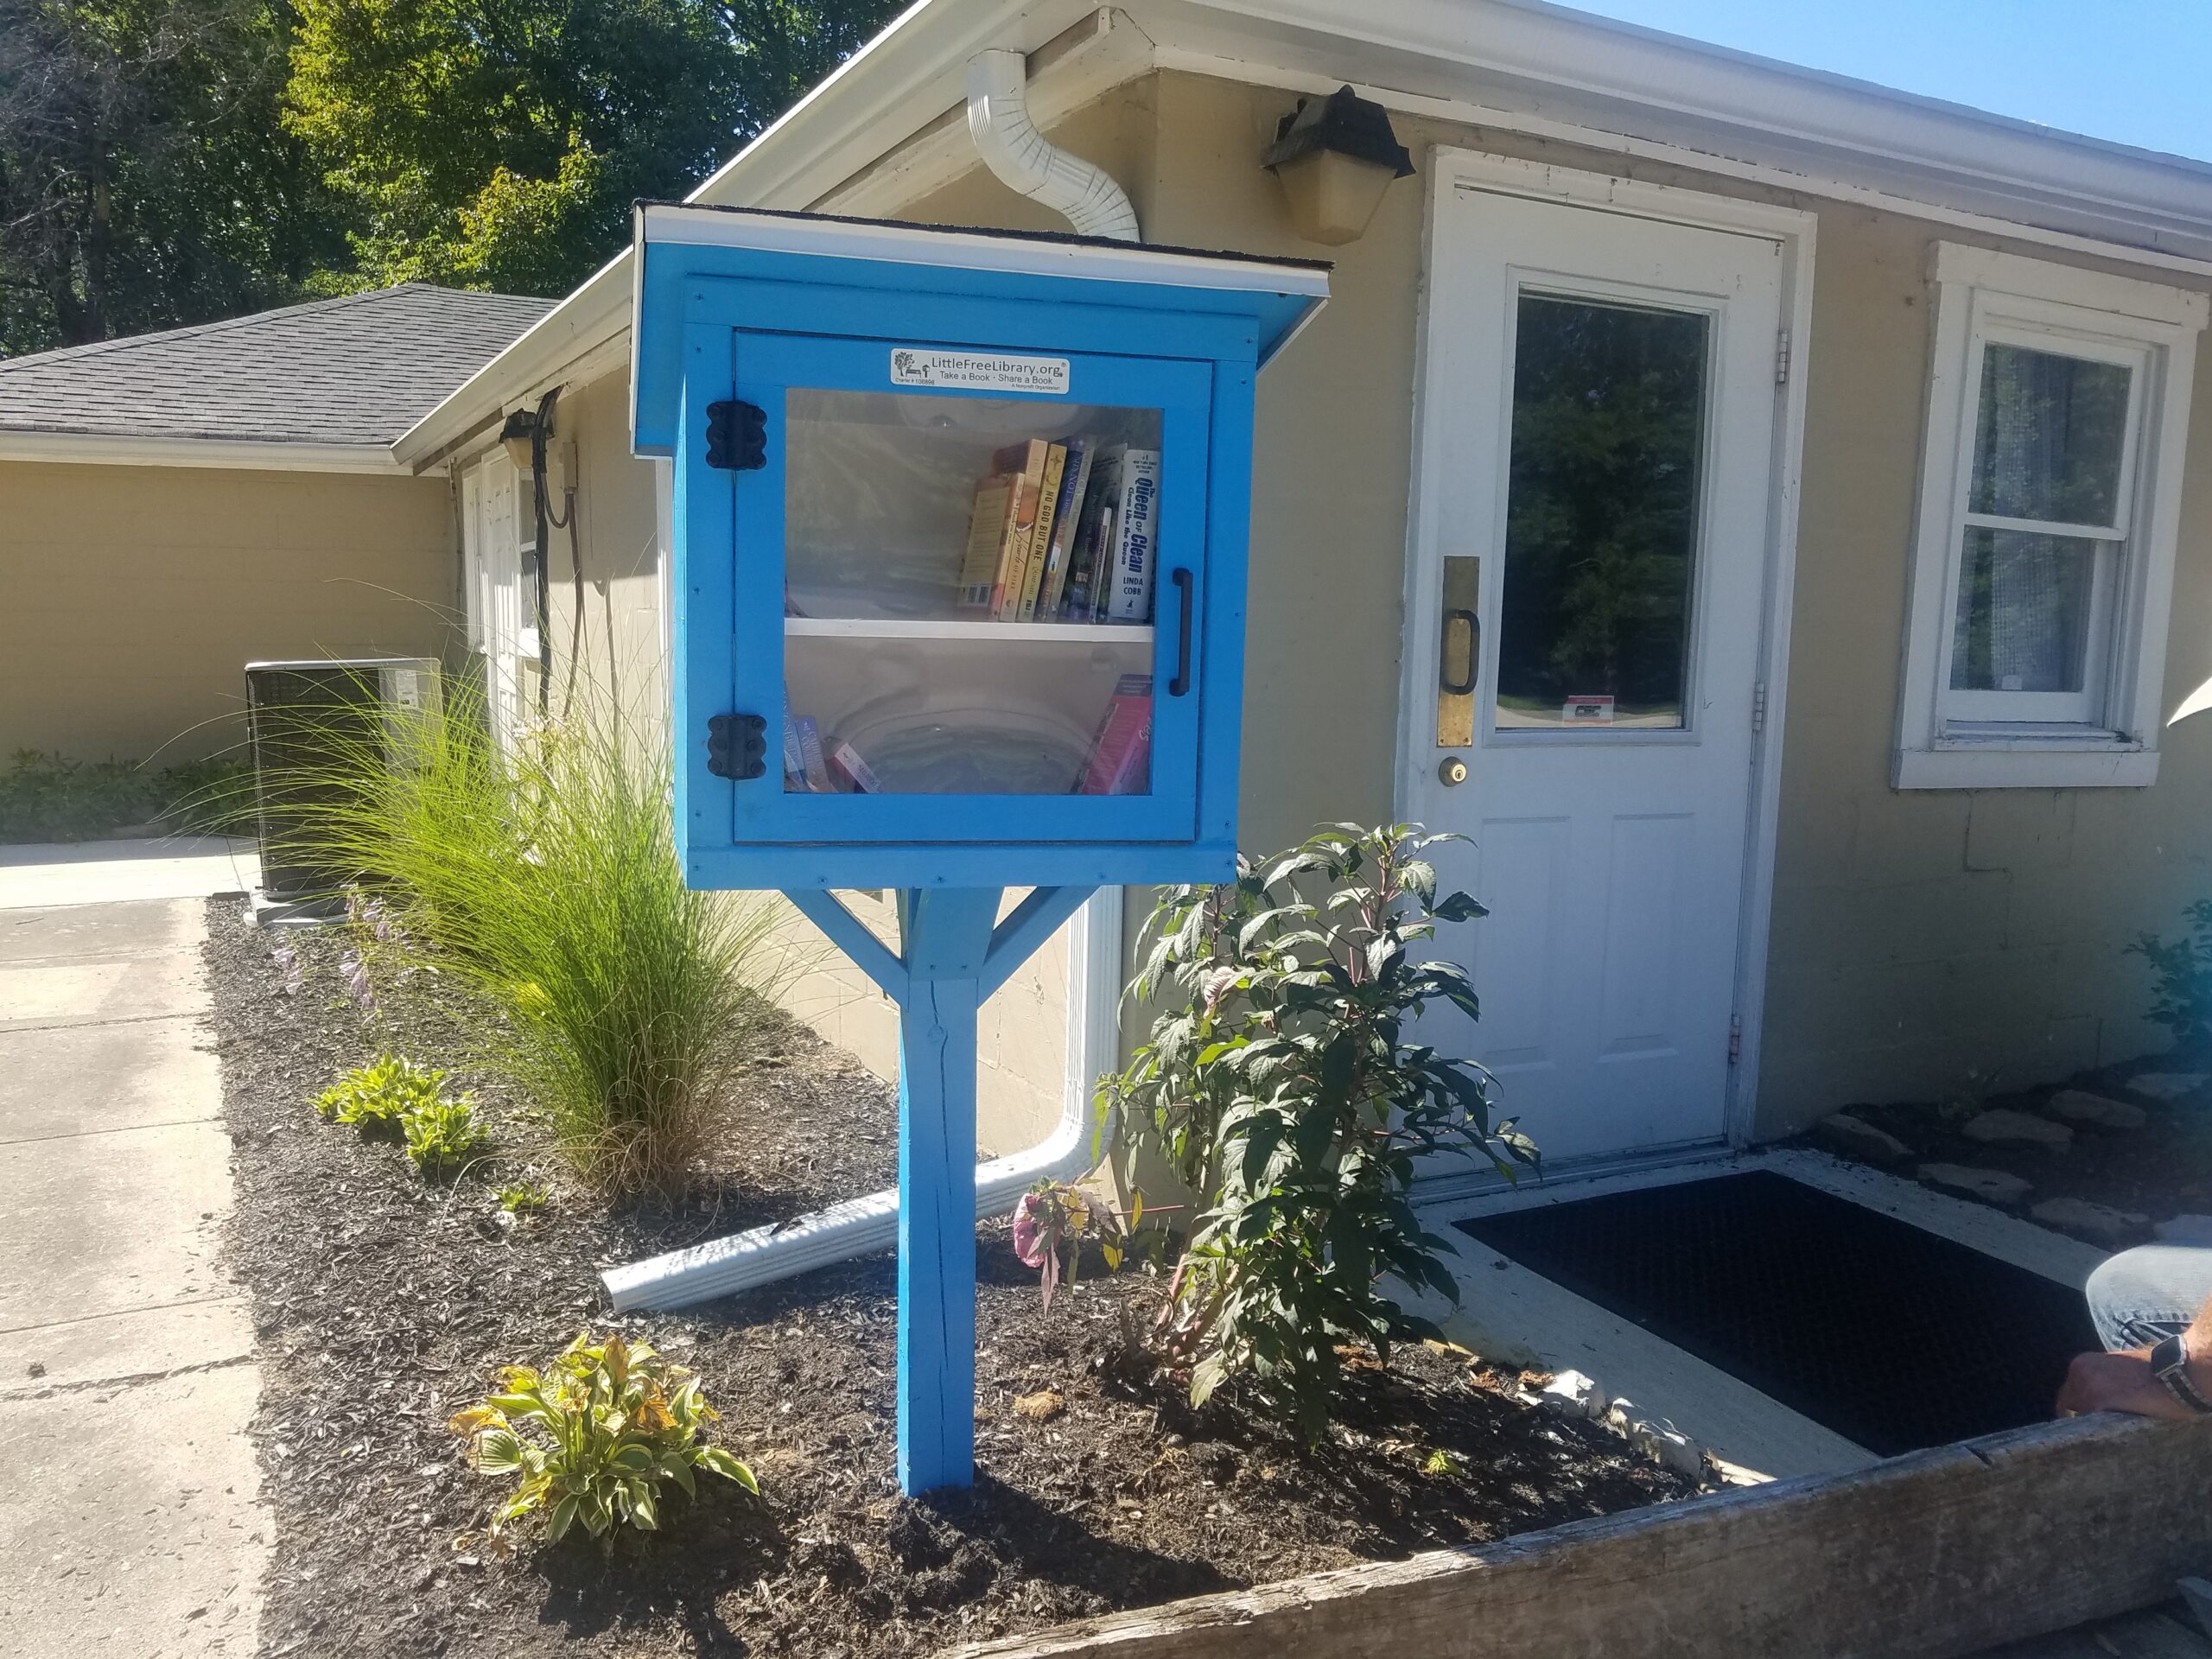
(953, 953)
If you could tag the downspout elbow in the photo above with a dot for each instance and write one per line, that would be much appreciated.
(998, 119)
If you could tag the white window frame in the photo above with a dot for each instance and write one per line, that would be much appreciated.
(2107, 734)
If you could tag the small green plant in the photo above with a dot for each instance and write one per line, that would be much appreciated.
(594, 1435)
(1280, 1085)
(525, 1197)
(376, 1098)
(1053, 1216)
(441, 1135)
(2182, 1000)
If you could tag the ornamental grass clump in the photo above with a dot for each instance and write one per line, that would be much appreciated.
(547, 881)
(1280, 1085)
(594, 1435)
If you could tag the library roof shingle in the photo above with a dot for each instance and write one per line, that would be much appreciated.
(358, 370)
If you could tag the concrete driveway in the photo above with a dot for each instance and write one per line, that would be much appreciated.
(132, 1528)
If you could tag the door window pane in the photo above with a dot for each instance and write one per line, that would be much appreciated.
(2049, 435)
(1601, 514)
(2024, 612)
(969, 588)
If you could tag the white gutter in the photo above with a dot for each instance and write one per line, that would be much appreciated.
(723, 1267)
(998, 119)
(242, 455)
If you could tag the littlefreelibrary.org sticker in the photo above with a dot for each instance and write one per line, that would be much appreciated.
(979, 371)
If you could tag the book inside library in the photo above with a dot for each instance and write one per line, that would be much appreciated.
(969, 587)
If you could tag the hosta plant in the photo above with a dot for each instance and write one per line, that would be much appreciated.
(379, 1097)
(1283, 1085)
(594, 1435)
(443, 1136)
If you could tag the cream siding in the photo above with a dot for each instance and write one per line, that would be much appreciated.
(136, 595)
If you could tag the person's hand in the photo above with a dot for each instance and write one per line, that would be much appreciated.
(2121, 1382)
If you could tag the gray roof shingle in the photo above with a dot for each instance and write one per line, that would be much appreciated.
(361, 369)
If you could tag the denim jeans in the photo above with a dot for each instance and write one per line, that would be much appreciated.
(2152, 1291)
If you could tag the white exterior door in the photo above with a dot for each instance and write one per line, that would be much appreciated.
(1591, 566)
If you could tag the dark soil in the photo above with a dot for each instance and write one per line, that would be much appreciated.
(384, 1305)
(2160, 1171)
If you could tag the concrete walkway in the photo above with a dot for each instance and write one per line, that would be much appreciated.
(132, 1527)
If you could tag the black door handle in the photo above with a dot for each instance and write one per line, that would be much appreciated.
(1184, 584)
(1454, 687)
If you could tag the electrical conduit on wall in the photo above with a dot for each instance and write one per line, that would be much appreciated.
(1089, 200)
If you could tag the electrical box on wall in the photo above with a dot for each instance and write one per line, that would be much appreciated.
(960, 563)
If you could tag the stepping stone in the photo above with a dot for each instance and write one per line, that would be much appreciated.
(2168, 1086)
(2004, 1128)
(1990, 1186)
(2099, 1224)
(2098, 1111)
(1855, 1137)
(2185, 1229)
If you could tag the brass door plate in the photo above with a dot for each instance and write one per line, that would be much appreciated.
(1459, 656)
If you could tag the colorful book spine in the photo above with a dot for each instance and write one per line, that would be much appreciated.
(1121, 755)
(1093, 532)
(1040, 542)
(794, 759)
(1026, 462)
(979, 562)
(1067, 519)
(1128, 590)
(855, 770)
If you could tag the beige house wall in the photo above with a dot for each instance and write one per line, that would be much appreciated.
(132, 597)
(1923, 942)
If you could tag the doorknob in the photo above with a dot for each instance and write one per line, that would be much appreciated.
(1460, 653)
(1452, 771)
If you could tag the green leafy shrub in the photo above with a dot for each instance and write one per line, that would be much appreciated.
(594, 1435)
(2182, 968)
(378, 1098)
(1054, 1217)
(525, 1197)
(1280, 1085)
(548, 881)
(52, 798)
(442, 1135)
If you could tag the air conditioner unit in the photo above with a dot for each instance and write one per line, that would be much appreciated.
(310, 722)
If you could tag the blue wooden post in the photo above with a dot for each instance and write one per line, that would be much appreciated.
(946, 937)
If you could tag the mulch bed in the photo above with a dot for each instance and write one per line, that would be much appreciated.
(383, 1304)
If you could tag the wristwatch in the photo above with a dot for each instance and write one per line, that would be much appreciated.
(2169, 1365)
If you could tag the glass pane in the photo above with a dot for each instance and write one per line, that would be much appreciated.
(2024, 612)
(969, 595)
(1601, 514)
(2049, 437)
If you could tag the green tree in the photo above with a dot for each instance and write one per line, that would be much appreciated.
(498, 144)
(145, 180)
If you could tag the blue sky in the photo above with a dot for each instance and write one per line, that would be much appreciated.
(2136, 71)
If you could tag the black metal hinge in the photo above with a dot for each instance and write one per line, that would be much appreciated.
(737, 436)
(737, 746)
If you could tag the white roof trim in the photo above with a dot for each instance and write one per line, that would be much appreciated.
(1521, 65)
(776, 233)
(233, 454)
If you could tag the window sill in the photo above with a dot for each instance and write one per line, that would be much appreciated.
(2022, 761)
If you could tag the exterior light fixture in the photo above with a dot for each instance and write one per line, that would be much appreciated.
(1336, 156)
(519, 436)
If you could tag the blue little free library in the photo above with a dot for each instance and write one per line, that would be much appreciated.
(959, 576)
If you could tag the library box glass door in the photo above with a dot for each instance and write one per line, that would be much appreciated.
(986, 597)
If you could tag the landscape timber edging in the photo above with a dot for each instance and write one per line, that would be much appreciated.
(1935, 1553)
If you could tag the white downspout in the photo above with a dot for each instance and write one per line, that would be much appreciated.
(998, 119)
(723, 1267)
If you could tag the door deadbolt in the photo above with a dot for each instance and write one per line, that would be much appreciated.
(1452, 771)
